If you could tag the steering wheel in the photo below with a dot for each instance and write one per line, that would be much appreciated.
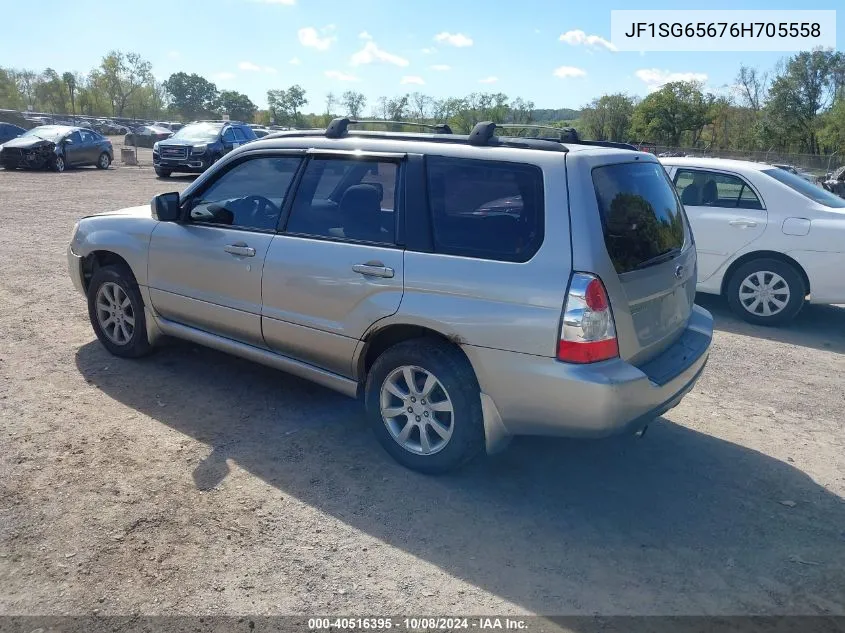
(262, 212)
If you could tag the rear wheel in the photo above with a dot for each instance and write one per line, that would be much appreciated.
(424, 406)
(163, 173)
(104, 161)
(766, 292)
(116, 311)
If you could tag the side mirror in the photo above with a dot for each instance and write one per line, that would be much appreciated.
(166, 207)
(68, 141)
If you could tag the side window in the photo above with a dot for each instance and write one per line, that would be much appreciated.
(711, 189)
(87, 137)
(250, 195)
(247, 132)
(349, 199)
(486, 209)
(229, 136)
(239, 136)
(75, 137)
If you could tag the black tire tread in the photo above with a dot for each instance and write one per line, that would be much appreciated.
(452, 368)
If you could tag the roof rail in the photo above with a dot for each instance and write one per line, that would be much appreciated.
(339, 127)
(568, 134)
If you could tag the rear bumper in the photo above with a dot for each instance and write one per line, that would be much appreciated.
(540, 396)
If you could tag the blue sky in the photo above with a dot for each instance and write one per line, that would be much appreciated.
(379, 47)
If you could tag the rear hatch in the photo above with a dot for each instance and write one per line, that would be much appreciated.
(650, 246)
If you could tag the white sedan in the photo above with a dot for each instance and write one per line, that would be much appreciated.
(766, 238)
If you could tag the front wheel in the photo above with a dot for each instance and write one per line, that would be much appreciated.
(766, 292)
(423, 403)
(59, 164)
(116, 311)
(104, 161)
(163, 173)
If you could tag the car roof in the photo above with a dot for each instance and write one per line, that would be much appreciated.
(436, 144)
(727, 164)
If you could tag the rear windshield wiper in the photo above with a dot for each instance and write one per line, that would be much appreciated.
(658, 259)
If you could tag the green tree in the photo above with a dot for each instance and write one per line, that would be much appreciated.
(191, 96)
(50, 91)
(609, 117)
(353, 103)
(121, 75)
(237, 105)
(10, 96)
(806, 86)
(286, 105)
(69, 79)
(665, 114)
(27, 84)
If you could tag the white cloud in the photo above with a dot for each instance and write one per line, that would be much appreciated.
(488, 80)
(412, 79)
(295, 61)
(429, 51)
(249, 66)
(565, 72)
(289, 3)
(224, 76)
(453, 39)
(364, 35)
(174, 55)
(372, 53)
(310, 37)
(441, 67)
(654, 78)
(579, 38)
(340, 76)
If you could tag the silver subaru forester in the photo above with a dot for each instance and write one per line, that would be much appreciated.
(467, 288)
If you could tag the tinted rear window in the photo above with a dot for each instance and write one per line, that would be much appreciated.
(805, 188)
(640, 213)
(485, 209)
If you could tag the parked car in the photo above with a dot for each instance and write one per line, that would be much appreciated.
(198, 145)
(146, 135)
(260, 132)
(57, 147)
(9, 131)
(766, 238)
(456, 330)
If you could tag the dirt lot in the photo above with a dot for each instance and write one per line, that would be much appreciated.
(191, 482)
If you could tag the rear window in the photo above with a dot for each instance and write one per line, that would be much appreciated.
(806, 189)
(641, 217)
(485, 209)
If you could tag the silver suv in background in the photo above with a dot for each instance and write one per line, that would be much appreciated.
(467, 288)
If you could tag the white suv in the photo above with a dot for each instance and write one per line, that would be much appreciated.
(766, 238)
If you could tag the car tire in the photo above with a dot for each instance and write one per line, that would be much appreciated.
(104, 161)
(781, 284)
(163, 173)
(453, 404)
(120, 326)
(58, 164)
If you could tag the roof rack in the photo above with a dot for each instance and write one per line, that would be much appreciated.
(339, 127)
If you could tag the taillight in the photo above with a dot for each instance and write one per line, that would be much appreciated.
(588, 333)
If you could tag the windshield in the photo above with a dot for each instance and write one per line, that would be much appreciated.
(199, 132)
(47, 132)
(806, 188)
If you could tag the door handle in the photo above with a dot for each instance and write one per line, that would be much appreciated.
(240, 249)
(373, 269)
(743, 223)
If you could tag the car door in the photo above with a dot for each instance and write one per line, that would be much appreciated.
(725, 212)
(230, 142)
(89, 153)
(337, 267)
(74, 149)
(205, 271)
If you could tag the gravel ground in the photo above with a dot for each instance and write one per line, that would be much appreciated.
(191, 482)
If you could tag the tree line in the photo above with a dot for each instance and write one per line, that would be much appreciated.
(799, 106)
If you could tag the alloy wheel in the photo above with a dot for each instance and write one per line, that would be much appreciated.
(114, 313)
